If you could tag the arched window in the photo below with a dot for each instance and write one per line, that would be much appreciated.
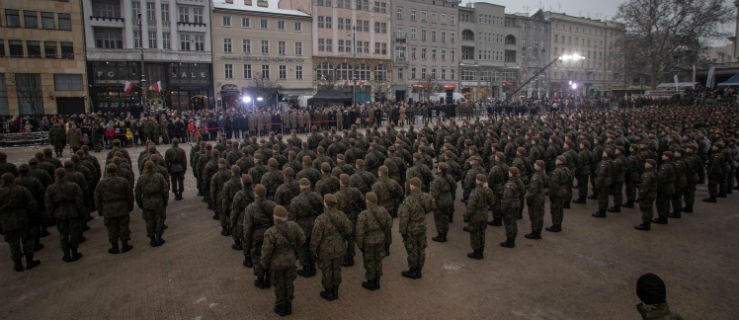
(363, 72)
(380, 73)
(325, 72)
(510, 39)
(344, 72)
(467, 35)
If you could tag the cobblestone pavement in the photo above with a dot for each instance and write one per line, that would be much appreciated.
(588, 271)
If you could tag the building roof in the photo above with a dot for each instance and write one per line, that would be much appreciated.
(272, 8)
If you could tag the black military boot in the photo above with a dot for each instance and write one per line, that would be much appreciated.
(554, 228)
(17, 265)
(533, 235)
(225, 232)
(580, 201)
(67, 255)
(44, 233)
(616, 209)
(280, 310)
(377, 282)
(369, 284)
(645, 226)
(566, 205)
(160, 241)
(114, 248)
(629, 204)
(475, 254)
(410, 273)
(125, 247)
(710, 199)
(75, 255)
(261, 283)
(496, 222)
(37, 246)
(418, 273)
(451, 218)
(153, 242)
(348, 260)
(600, 214)
(237, 245)
(327, 294)
(335, 292)
(306, 271)
(508, 243)
(675, 215)
(30, 263)
(441, 237)
(248, 263)
(288, 308)
(660, 220)
(688, 209)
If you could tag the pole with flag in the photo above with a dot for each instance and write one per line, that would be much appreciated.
(127, 86)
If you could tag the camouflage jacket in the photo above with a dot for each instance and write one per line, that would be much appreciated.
(513, 191)
(230, 188)
(350, 202)
(328, 236)
(373, 227)
(412, 214)
(16, 207)
(152, 191)
(280, 244)
(305, 208)
(443, 191)
(257, 219)
(114, 197)
(240, 201)
(481, 198)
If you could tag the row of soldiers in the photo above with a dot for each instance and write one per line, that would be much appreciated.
(78, 189)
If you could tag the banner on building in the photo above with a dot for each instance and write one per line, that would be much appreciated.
(710, 78)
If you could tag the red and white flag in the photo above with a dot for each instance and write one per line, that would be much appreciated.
(127, 86)
(156, 86)
(361, 84)
(346, 83)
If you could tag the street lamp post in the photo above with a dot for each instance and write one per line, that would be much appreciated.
(142, 80)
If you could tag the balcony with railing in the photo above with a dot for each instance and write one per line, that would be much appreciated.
(190, 26)
(106, 21)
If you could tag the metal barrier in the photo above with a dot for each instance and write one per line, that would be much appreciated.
(24, 139)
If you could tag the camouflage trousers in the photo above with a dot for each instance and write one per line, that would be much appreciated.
(556, 210)
(441, 219)
(630, 191)
(497, 211)
(372, 256)
(16, 238)
(70, 232)
(646, 206)
(477, 234)
(582, 186)
(237, 223)
(663, 204)
(304, 255)
(256, 257)
(536, 213)
(617, 191)
(603, 197)
(283, 281)
(154, 222)
(177, 182)
(330, 271)
(677, 200)
(509, 221)
(415, 247)
(713, 186)
(689, 196)
(118, 228)
(224, 215)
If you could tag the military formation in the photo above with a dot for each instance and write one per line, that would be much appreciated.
(313, 200)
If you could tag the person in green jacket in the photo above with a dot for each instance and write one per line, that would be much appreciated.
(328, 245)
(278, 257)
(373, 238)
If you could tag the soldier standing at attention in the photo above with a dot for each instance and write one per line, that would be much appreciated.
(228, 191)
(535, 199)
(513, 192)
(241, 200)
(647, 194)
(496, 179)
(217, 181)
(619, 173)
(481, 198)
(114, 200)
(412, 226)
(557, 190)
(257, 219)
(176, 160)
(304, 209)
(713, 169)
(152, 195)
(373, 238)
(328, 245)
(16, 209)
(693, 167)
(6, 167)
(681, 183)
(582, 171)
(278, 257)
(351, 203)
(603, 180)
(443, 191)
(65, 203)
(666, 179)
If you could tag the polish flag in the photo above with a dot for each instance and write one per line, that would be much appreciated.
(361, 84)
(156, 86)
(127, 86)
(346, 83)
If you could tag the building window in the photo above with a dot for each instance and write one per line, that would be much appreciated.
(400, 74)
(452, 38)
(152, 39)
(399, 13)
(329, 45)
(108, 38)
(344, 45)
(452, 22)
(298, 27)
(228, 71)
(67, 50)
(281, 48)
(328, 23)
(16, 48)
(283, 72)
(265, 47)
(264, 23)
(185, 42)
(443, 37)
(68, 82)
(28, 87)
(136, 9)
(246, 46)
(510, 56)
(423, 73)
(299, 72)
(47, 20)
(197, 15)
(433, 54)
(226, 21)
(384, 48)
(137, 39)
(344, 72)
(443, 74)
(423, 35)
(151, 12)
(321, 45)
(413, 33)
(265, 71)
(320, 23)
(348, 24)
(247, 71)
(433, 36)
(227, 45)
(281, 25)
(33, 49)
(340, 24)
(50, 49)
(423, 53)
(166, 40)
(413, 73)
(325, 71)
(184, 14)
(30, 19)
(298, 48)
(199, 42)
(12, 18)
(380, 73)
(245, 23)
(165, 13)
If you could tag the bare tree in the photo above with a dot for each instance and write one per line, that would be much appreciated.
(28, 86)
(664, 32)
(265, 88)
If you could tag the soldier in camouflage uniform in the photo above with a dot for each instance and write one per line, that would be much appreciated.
(304, 209)
(114, 200)
(412, 226)
(240, 201)
(496, 180)
(362, 179)
(513, 192)
(351, 203)
(272, 178)
(647, 194)
(481, 198)
(328, 182)
(603, 180)
(152, 195)
(469, 179)
(309, 172)
(6, 167)
(328, 245)
(693, 167)
(289, 188)
(228, 191)
(557, 192)
(389, 192)
(421, 171)
(714, 171)
(17, 207)
(176, 160)
(634, 167)
(64, 201)
(217, 181)
(443, 191)
(37, 190)
(681, 182)
(206, 174)
(618, 165)
(373, 238)
(278, 257)
(582, 171)
(666, 179)
(257, 219)
(535, 199)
